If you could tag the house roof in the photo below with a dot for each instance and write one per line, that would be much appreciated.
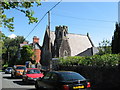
(36, 45)
(78, 43)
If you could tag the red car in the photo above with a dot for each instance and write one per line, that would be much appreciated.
(31, 75)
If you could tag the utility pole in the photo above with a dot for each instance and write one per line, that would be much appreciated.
(49, 20)
(49, 45)
(49, 31)
(50, 52)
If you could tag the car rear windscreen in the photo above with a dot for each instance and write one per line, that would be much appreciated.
(70, 76)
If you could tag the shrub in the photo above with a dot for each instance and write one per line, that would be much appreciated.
(110, 59)
(96, 60)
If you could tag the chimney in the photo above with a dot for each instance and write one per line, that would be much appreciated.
(35, 39)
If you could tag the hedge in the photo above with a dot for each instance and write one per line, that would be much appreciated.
(96, 60)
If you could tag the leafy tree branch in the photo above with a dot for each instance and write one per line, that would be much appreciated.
(24, 7)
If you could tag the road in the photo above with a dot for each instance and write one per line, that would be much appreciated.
(9, 83)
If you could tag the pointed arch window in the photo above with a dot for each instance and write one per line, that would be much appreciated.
(65, 53)
(65, 34)
(60, 34)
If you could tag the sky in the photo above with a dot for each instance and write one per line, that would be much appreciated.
(96, 18)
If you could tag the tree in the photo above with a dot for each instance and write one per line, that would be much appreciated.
(116, 40)
(1, 43)
(10, 49)
(26, 53)
(24, 7)
(104, 47)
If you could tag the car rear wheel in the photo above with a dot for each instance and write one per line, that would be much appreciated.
(36, 86)
(23, 80)
(12, 76)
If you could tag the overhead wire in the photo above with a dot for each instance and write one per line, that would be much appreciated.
(36, 25)
(88, 19)
(65, 16)
(43, 18)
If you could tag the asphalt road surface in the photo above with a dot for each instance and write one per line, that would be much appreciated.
(9, 83)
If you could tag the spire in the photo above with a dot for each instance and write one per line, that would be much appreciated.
(48, 31)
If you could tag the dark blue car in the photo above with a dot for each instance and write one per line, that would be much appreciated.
(63, 80)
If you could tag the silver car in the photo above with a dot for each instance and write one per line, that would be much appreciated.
(8, 70)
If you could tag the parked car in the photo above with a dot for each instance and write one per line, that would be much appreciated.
(18, 70)
(8, 70)
(62, 80)
(31, 75)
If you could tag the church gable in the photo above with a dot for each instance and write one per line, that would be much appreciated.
(64, 49)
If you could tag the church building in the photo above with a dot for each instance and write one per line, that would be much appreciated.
(60, 43)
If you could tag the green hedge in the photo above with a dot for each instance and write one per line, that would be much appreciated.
(96, 60)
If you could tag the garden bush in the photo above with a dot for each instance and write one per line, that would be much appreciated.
(95, 60)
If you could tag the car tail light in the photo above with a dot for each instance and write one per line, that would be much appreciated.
(88, 85)
(65, 87)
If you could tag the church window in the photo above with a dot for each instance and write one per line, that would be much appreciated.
(65, 34)
(60, 34)
(65, 53)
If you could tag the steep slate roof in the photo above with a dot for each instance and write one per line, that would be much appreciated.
(78, 43)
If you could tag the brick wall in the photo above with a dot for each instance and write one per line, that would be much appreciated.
(37, 53)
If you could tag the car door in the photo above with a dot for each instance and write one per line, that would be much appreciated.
(54, 81)
(44, 82)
